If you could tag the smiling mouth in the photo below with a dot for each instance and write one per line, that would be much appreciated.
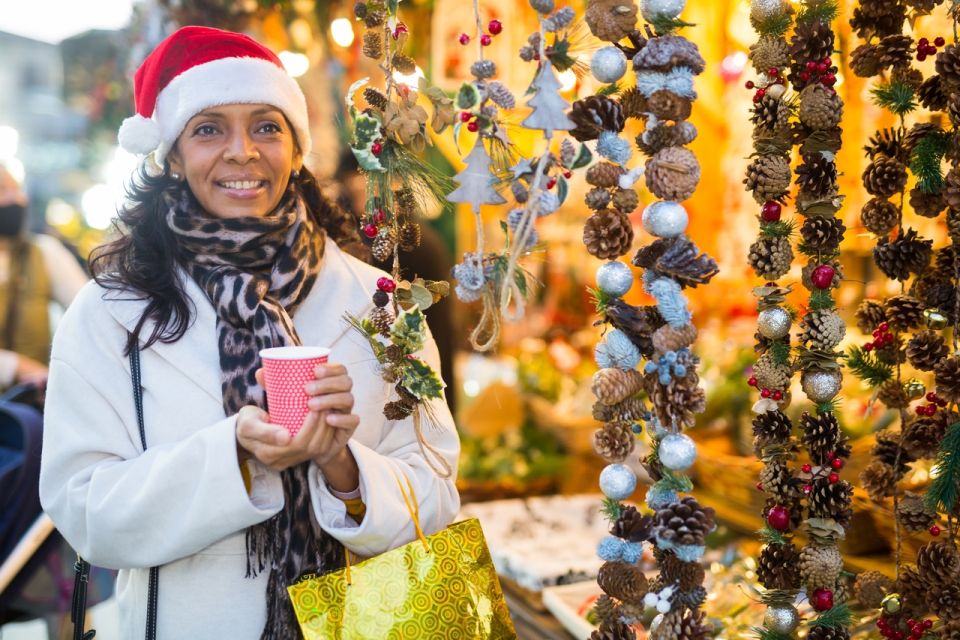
(242, 185)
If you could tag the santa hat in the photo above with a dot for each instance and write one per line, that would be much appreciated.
(196, 68)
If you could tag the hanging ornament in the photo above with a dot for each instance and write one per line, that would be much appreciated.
(934, 319)
(677, 452)
(821, 386)
(891, 604)
(665, 219)
(782, 619)
(608, 64)
(476, 181)
(614, 278)
(774, 323)
(657, 10)
(914, 388)
(618, 481)
(763, 10)
(822, 600)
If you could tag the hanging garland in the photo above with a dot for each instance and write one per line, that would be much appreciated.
(664, 64)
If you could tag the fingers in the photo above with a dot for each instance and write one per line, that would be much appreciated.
(258, 374)
(345, 421)
(253, 424)
(329, 384)
(333, 402)
(329, 370)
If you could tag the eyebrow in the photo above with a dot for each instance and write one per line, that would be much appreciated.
(219, 114)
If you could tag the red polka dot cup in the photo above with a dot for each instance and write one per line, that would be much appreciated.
(286, 371)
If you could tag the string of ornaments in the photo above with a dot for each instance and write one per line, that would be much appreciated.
(908, 329)
(661, 334)
(814, 497)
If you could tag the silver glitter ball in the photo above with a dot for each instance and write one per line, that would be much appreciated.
(618, 481)
(677, 452)
(542, 6)
(653, 9)
(782, 619)
(821, 386)
(665, 219)
(614, 278)
(775, 90)
(608, 64)
(761, 10)
(774, 323)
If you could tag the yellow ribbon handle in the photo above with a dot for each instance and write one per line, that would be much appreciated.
(346, 552)
(413, 507)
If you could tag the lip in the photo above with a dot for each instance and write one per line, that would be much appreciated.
(244, 192)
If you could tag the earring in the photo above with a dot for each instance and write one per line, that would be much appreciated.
(175, 176)
(295, 174)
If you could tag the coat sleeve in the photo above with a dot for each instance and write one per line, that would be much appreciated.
(387, 523)
(120, 507)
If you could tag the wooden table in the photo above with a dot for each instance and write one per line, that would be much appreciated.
(532, 622)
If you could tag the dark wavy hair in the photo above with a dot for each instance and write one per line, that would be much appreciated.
(144, 257)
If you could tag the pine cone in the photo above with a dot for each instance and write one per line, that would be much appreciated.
(913, 591)
(677, 402)
(947, 376)
(925, 350)
(777, 480)
(831, 500)
(481, 69)
(614, 442)
(666, 52)
(408, 66)
(769, 52)
(895, 50)
(768, 177)
(866, 61)
(614, 630)
(771, 257)
(595, 114)
(678, 259)
(597, 198)
(384, 244)
(666, 135)
(888, 142)
(871, 588)
(373, 44)
(928, 205)
(673, 173)
(382, 319)
(903, 256)
(821, 632)
(771, 375)
(375, 98)
(820, 566)
(820, 107)
(632, 525)
(932, 95)
(622, 581)
(666, 105)
(688, 575)
(608, 234)
(630, 410)
(520, 192)
(878, 480)
(397, 410)
(771, 117)
(625, 200)
(773, 425)
(944, 599)
(822, 234)
(607, 610)
(811, 40)
(870, 315)
(884, 176)
(922, 438)
(409, 238)
(889, 450)
(950, 629)
(953, 224)
(892, 395)
(821, 435)
(869, 22)
(948, 66)
(604, 174)
(938, 561)
(879, 216)
(611, 20)
(918, 132)
(612, 386)
(685, 522)
(903, 312)
(634, 103)
(822, 330)
(951, 188)
(778, 567)
(668, 338)
(817, 176)
(913, 514)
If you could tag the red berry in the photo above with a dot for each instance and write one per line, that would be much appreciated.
(379, 216)
(829, 79)
(898, 635)
(495, 27)
(916, 634)
(485, 40)
(884, 327)
(465, 116)
(464, 39)
(759, 486)
(401, 28)
(386, 284)
(868, 347)
(804, 75)
(752, 381)
(877, 333)
(749, 84)
(939, 41)
(568, 174)
(773, 71)
(822, 276)
(765, 393)
(921, 410)
(932, 408)
(923, 42)
(807, 488)
(761, 92)
(811, 66)
(931, 396)
(941, 403)
(807, 468)
(836, 463)
(822, 67)
(822, 599)
(473, 126)
(911, 623)
(834, 478)
(777, 395)
(830, 455)
(756, 99)
(771, 211)
(929, 623)
(376, 148)
(779, 518)
(370, 230)
(921, 56)
(826, 59)
(934, 531)
(551, 183)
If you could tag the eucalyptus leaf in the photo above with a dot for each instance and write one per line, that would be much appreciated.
(584, 157)
(421, 296)
(562, 189)
(468, 97)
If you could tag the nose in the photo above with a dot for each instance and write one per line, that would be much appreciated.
(241, 147)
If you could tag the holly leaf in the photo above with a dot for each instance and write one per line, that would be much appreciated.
(409, 330)
(420, 380)
(366, 129)
(367, 160)
(468, 97)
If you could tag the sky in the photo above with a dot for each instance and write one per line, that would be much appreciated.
(53, 20)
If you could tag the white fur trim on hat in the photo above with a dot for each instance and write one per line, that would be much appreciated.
(228, 81)
(139, 135)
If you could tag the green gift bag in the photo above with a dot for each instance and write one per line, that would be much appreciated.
(438, 586)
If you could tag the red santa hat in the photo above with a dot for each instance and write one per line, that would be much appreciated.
(196, 68)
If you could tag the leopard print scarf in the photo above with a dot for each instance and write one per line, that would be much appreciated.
(256, 272)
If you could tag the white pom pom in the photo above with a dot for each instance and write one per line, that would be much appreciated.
(651, 600)
(663, 606)
(139, 135)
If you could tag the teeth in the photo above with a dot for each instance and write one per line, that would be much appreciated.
(245, 184)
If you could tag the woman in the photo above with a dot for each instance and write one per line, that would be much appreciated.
(230, 250)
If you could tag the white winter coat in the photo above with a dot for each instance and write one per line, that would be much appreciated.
(182, 504)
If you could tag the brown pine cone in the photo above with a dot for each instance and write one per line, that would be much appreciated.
(625, 200)
(888, 142)
(771, 117)
(928, 205)
(938, 562)
(673, 173)
(595, 114)
(409, 238)
(678, 259)
(634, 103)
(878, 480)
(879, 216)
(614, 442)
(666, 52)
(769, 52)
(630, 410)
(821, 632)
(666, 105)
(405, 64)
(611, 20)
(684, 523)
(951, 188)
(688, 575)
(937, 291)
(597, 199)
(820, 566)
(913, 514)
(866, 61)
(678, 402)
(953, 224)
(632, 525)
(607, 610)
(604, 174)
(771, 257)
(913, 591)
(768, 177)
(820, 107)
(384, 244)
(869, 22)
(822, 234)
(612, 386)
(871, 588)
(668, 338)
(771, 375)
(373, 44)
(944, 599)
(773, 425)
(884, 176)
(892, 395)
(614, 630)
(889, 450)
(948, 66)
(822, 330)
(666, 134)
(374, 18)
(947, 376)
(607, 234)
(870, 315)
(375, 98)
(922, 438)
(895, 51)
(777, 480)
(682, 624)
(918, 132)
(931, 94)
(778, 567)
(821, 435)
(382, 319)
(925, 350)
(949, 629)
(397, 410)
(622, 580)
(817, 176)
(908, 254)
(811, 40)
(831, 500)
(903, 312)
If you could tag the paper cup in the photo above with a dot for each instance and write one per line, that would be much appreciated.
(286, 370)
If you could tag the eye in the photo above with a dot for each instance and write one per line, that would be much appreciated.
(269, 127)
(205, 130)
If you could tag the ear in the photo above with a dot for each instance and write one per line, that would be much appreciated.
(175, 161)
(297, 159)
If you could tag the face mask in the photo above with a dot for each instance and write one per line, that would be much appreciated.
(12, 218)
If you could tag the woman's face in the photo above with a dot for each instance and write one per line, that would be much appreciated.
(236, 159)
